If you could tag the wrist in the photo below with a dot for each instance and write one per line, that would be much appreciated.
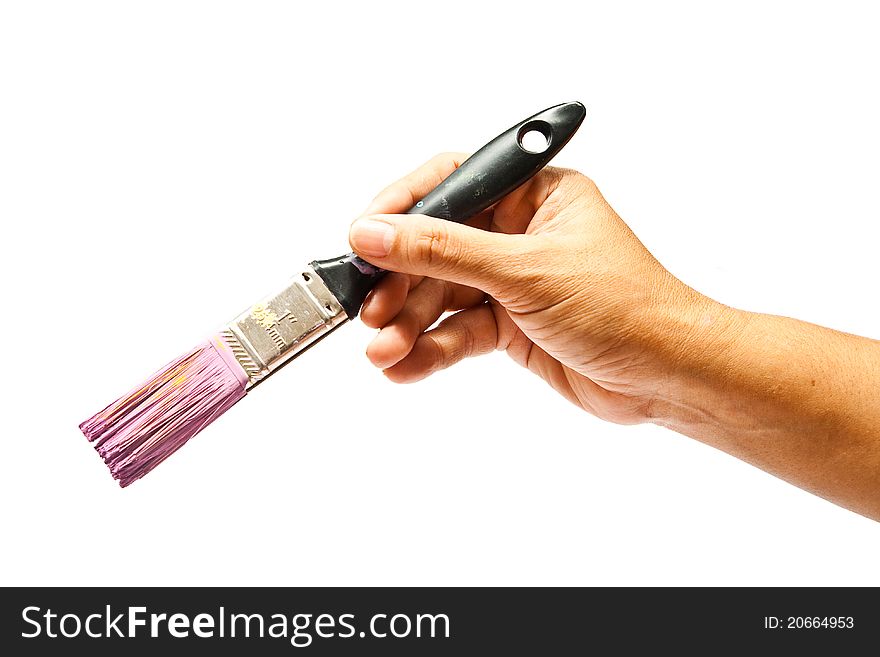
(696, 340)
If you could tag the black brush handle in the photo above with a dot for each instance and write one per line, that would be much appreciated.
(484, 178)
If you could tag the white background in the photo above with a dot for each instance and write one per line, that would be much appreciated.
(164, 164)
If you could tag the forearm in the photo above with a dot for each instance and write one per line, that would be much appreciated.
(797, 400)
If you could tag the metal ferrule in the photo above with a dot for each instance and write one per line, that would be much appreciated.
(281, 326)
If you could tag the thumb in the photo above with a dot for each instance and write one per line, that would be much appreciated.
(424, 246)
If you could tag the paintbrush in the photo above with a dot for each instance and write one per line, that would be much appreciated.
(143, 428)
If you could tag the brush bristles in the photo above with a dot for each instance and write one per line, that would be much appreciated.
(136, 433)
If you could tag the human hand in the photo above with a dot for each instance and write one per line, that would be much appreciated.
(550, 274)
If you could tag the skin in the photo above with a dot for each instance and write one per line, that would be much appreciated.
(555, 278)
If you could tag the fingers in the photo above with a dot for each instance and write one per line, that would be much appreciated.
(387, 299)
(400, 196)
(425, 246)
(471, 332)
(514, 213)
(423, 307)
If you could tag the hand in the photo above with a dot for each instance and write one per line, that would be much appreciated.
(551, 275)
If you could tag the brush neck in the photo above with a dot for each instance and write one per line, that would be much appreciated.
(350, 279)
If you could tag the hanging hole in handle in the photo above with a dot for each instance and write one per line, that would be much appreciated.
(534, 137)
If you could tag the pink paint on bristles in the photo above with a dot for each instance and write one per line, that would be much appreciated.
(140, 430)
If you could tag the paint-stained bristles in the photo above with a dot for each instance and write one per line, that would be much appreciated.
(143, 428)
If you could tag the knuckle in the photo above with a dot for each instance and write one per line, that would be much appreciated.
(408, 326)
(437, 359)
(436, 164)
(445, 158)
(442, 164)
(432, 246)
(580, 180)
(587, 182)
(467, 343)
(565, 176)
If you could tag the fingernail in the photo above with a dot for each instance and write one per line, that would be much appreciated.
(371, 237)
(367, 302)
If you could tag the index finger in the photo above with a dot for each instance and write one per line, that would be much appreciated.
(400, 196)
